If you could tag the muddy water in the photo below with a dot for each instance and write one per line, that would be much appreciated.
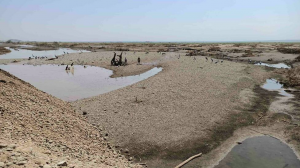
(260, 152)
(279, 65)
(23, 53)
(77, 83)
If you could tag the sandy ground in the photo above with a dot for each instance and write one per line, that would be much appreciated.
(175, 107)
(274, 55)
(162, 120)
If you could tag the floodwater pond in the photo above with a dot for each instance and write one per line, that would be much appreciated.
(279, 65)
(24, 53)
(260, 152)
(274, 85)
(78, 83)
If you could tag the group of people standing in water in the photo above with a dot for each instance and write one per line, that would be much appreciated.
(118, 62)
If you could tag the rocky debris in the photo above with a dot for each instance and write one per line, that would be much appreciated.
(10, 147)
(2, 164)
(3, 146)
(47, 166)
(214, 49)
(236, 51)
(62, 163)
(289, 50)
(248, 53)
(4, 50)
(292, 77)
(297, 59)
(21, 162)
(192, 53)
(55, 131)
(187, 48)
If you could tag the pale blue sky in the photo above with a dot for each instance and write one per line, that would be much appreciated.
(151, 20)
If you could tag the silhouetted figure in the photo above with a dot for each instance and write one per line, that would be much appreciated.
(113, 61)
(67, 67)
(120, 59)
(206, 59)
(139, 60)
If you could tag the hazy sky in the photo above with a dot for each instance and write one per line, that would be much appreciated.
(150, 20)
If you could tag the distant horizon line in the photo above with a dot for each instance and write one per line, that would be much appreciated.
(237, 41)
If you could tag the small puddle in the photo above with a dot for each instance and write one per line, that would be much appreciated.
(274, 85)
(279, 65)
(23, 53)
(77, 83)
(262, 151)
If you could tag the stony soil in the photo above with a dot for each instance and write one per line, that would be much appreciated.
(192, 106)
(39, 130)
(4, 50)
(158, 119)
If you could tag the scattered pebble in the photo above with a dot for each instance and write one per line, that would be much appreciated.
(62, 163)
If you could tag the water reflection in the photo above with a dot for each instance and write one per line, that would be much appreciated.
(70, 86)
(263, 151)
(24, 53)
(70, 70)
(274, 85)
(279, 65)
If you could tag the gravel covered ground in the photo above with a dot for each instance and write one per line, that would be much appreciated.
(173, 109)
(161, 121)
(40, 130)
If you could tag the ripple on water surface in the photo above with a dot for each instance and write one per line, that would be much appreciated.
(77, 83)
